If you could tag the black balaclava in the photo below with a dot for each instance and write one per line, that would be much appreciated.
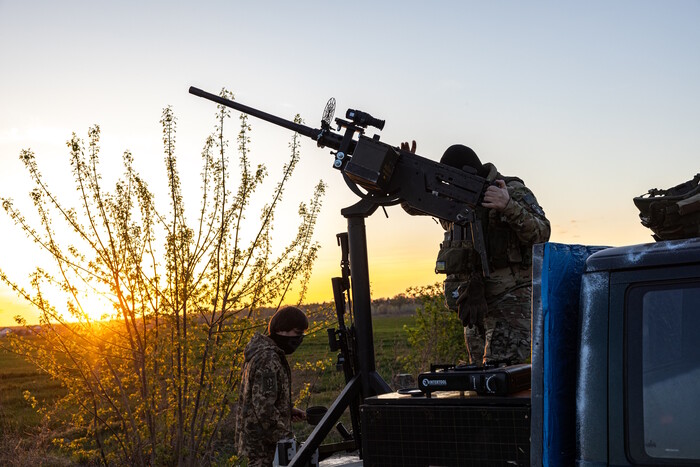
(461, 156)
(288, 344)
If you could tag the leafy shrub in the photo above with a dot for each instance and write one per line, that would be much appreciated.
(436, 336)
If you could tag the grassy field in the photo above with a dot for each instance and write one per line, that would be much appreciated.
(20, 421)
(17, 376)
(25, 439)
(389, 345)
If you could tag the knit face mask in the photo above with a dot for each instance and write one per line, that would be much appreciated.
(288, 344)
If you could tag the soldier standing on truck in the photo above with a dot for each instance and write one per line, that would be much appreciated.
(495, 311)
(265, 410)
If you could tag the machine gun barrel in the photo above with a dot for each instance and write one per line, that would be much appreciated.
(322, 137)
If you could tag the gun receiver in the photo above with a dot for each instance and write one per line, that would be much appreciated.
(388, 174)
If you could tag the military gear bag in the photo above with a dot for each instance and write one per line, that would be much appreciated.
(673, 213)
(454, 257)
(456, 254)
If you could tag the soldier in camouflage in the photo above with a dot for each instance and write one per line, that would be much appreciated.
(265, 410)
(495, 311)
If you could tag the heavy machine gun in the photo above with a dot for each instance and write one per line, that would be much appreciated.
(380, 175)
(388, 174)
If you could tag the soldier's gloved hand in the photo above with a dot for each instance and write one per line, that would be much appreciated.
(471, 303)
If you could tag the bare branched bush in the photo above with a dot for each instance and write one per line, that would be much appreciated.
(153, 382)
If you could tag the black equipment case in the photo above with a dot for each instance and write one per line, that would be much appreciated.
(447, 429)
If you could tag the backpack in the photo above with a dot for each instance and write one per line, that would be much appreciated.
(674, 213)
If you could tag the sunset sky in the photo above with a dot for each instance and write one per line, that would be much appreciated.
(590, 103)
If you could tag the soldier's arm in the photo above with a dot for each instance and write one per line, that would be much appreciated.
(266, 392)
(525, 216)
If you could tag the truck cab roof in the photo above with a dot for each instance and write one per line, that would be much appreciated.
(665, 253)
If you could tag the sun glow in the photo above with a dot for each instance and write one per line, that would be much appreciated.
(89, 306)
(96, 307)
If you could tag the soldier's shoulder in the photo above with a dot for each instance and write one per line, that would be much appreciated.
(522, 193)
(263, 355)
(514, 182)
(517, 189)
(266, 359)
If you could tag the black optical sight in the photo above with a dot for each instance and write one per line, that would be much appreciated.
(364, 119)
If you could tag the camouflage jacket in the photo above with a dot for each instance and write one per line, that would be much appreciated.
(265, 401)
(509, 235)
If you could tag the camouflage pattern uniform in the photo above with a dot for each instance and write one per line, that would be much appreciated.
(265, 401)
(510, 235)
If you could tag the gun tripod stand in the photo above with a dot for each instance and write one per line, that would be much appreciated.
(357, 345)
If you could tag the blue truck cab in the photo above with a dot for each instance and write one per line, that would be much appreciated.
(616, 355)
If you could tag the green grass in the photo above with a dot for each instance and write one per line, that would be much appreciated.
(17, 376)
(389, 345)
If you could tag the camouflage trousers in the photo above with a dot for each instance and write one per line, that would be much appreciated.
(505, 334)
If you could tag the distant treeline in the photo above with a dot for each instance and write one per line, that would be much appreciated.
(399, 305)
